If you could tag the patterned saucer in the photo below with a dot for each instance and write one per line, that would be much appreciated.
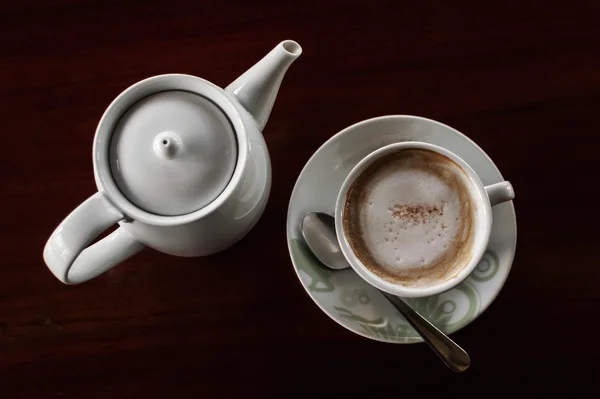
(348, 299)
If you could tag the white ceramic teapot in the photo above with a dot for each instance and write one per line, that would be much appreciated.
(180, 165)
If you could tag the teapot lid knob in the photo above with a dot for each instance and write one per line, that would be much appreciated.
(166, 145)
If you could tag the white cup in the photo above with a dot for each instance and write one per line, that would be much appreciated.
(483, 198)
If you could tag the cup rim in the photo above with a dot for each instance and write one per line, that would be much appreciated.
(397, 289)
(132, 95)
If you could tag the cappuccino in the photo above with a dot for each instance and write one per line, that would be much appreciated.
(409, 218)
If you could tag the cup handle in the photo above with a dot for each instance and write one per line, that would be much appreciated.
(500, 192)
(67, 253)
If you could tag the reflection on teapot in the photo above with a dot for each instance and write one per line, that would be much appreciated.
(180, 164)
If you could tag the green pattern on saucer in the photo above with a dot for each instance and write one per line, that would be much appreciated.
(442, 310)
(306, 262)
(487, 267)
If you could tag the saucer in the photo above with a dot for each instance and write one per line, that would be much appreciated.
(343, 295)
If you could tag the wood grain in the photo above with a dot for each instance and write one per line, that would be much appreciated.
(520, 78)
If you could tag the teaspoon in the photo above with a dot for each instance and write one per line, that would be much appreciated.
(318, 230)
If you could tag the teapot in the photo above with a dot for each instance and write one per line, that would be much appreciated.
(180, 165)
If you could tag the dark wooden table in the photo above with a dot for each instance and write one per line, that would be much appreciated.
(522, 79)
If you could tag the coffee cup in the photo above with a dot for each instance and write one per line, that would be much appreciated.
(413, 219)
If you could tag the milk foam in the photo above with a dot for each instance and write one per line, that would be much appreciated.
(411, 218)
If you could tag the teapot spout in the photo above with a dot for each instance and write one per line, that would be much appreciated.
(257, 88)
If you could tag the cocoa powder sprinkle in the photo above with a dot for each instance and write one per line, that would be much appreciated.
(415, 213)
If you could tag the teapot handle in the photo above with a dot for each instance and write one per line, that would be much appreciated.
(67, 253)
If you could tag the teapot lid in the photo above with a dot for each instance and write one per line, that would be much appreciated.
(173, 152)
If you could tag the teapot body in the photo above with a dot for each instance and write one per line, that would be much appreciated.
(209, 229)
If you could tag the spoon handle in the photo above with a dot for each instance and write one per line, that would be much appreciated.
(453, 355)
